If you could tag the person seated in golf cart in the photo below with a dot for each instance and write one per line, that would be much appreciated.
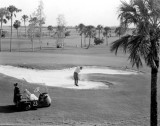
(17, 95)
(27, 101)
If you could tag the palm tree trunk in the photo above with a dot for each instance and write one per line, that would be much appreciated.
(99, 34)
(84, 41)
(25, 28)
(1, 23)
(0, 39)
(17, 32)
(11, 35)
(40, 34)
(32, 44)
(106, 40)
(1, 34)
(89, 43)
(153, 107)
(81, 41)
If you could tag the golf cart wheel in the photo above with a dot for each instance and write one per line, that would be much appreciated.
(28, 107)
(48, 105)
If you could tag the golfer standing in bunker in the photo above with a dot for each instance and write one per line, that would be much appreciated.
(76, 72)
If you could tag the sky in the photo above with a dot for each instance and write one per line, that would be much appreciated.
(88, 12)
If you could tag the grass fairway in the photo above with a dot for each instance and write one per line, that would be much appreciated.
(126, 103)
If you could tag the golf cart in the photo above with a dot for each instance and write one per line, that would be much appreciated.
(28, 101)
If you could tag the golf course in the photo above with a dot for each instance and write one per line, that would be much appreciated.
(80, 63)
(125, 101)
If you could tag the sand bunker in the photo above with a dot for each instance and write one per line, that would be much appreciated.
(61, 78)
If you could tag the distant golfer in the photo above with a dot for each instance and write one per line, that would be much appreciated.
(76, 72)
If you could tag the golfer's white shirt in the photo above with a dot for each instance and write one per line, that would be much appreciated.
(77, 70)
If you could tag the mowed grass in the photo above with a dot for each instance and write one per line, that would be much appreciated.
(126, 103)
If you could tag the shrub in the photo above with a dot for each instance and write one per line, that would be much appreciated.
(3, 34)
(37, 34)
(98, 41)
(67, 33)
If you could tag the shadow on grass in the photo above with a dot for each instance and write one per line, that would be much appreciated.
(8, 109)
(12, 109)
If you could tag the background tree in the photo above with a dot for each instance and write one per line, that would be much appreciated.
(39, 13)
(91, 33)
(85, 35)
(144, 44)
(12, 11)
(33, 24)
(99, 28)
(24, 19)
(120, 31)
(16, 25)
(61, 27)
(76, 27)
(50, 29)
(106, 32)
(81, 31)
(3, 14)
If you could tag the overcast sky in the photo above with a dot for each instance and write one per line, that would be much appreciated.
(88, 12)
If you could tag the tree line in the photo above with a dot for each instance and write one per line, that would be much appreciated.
(90, 32)
(36, 20)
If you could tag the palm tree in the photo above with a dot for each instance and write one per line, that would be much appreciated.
(91, 33)
(145, 15)
(16, 25)
(24, 19)
(12, 10)
(99, 28)
(81, 29)
(3, 13)
(105, 33)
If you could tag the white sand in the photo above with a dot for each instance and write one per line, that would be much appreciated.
(60, 78)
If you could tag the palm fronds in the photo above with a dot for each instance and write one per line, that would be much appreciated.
(120, 43)
(137, 46)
